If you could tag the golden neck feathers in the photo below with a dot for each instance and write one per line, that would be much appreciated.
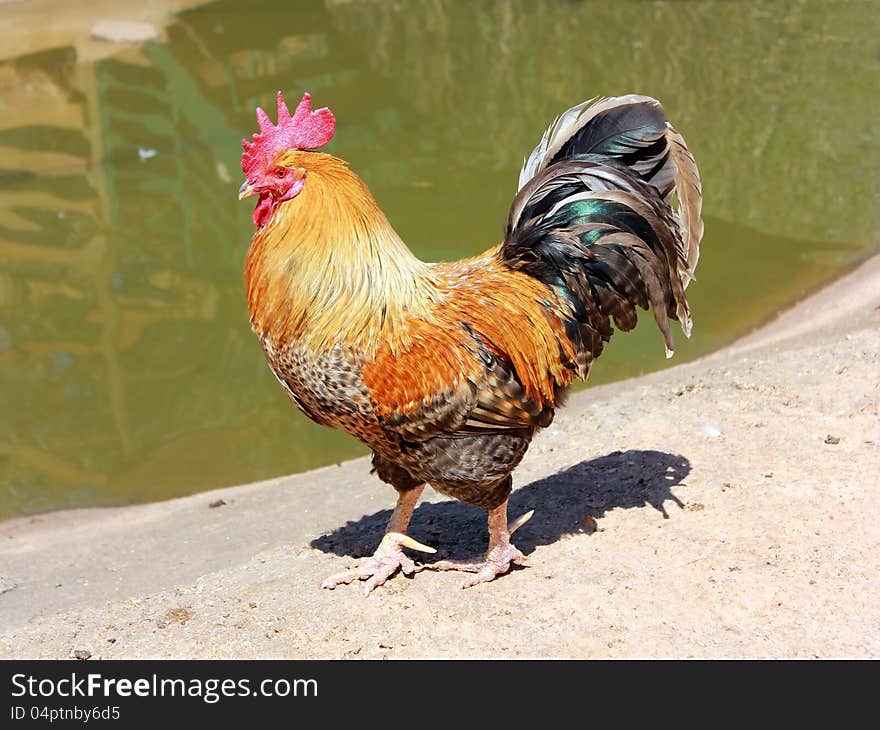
(328, 268)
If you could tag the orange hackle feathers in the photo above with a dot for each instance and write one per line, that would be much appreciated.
(504, 308)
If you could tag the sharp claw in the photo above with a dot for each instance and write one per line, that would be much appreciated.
(520, 521)
(407, 541)
(371, 585)
(407, 566)
(336, 580)
(484, 576)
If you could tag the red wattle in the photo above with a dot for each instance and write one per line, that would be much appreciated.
(263, 211)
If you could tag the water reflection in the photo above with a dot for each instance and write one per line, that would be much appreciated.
(127, 371)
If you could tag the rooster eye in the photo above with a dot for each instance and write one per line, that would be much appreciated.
(279, 173)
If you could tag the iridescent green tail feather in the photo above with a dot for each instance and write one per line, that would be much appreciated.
(608, 215)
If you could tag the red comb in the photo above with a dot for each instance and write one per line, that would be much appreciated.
(305, 130)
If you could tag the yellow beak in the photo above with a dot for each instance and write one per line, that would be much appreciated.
(245, 190)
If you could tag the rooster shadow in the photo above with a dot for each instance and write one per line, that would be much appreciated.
(563, 504)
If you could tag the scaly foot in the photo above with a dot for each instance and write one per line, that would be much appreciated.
(381, 565)
(502, 553)
(497, 562)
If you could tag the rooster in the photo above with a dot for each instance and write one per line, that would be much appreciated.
(447, 370)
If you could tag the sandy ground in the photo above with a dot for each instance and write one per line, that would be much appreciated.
(727, 507)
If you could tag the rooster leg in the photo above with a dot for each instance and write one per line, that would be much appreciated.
(499, 556)
(389, 556)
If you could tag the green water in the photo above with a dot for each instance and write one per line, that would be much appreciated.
(127, 369)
